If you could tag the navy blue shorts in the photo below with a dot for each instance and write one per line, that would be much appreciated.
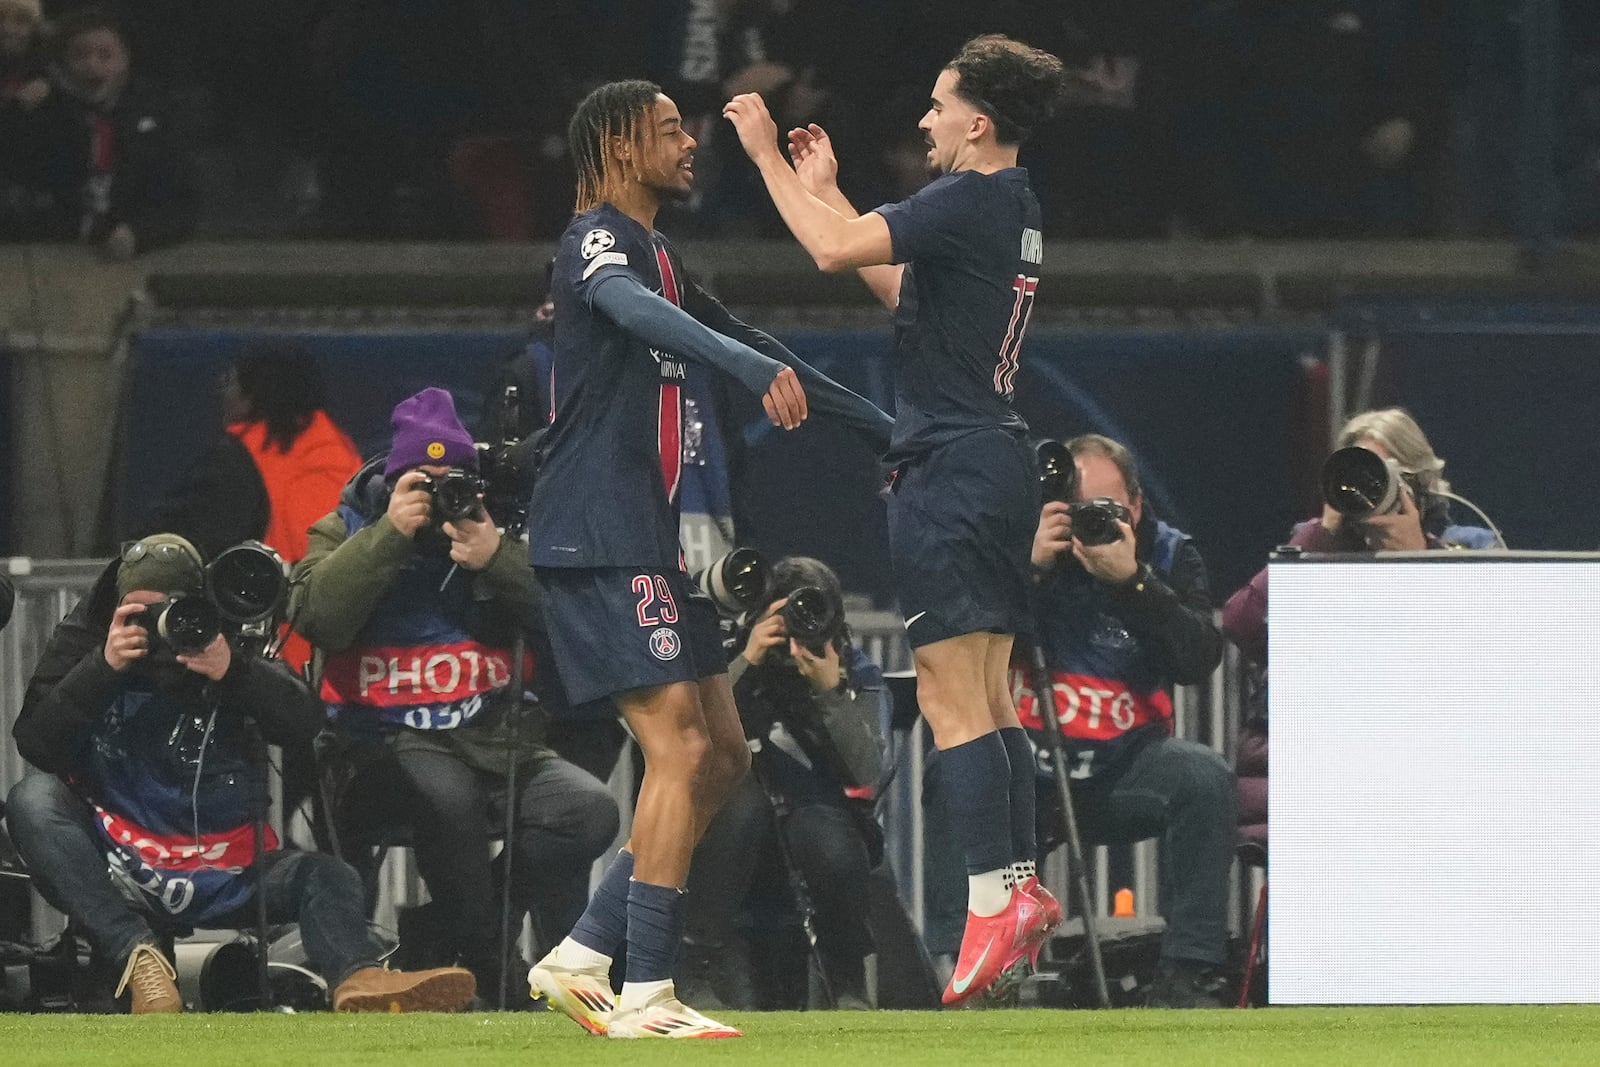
(961, 524)
(613, 629)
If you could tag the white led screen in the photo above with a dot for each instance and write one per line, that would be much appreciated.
(1435, 782)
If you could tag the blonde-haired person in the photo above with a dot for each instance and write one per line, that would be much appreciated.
(1416, 525)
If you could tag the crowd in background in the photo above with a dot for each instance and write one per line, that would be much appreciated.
(444, 120)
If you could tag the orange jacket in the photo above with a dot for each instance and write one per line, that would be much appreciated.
(303, 484)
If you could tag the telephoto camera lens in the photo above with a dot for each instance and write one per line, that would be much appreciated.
(737, 582)
(246, 582)
(1094, 522)
(186, 623)
(810, 617)
(1058, 471)
(1357, 482)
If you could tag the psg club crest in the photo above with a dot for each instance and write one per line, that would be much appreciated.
(595, 242)
(664, 644)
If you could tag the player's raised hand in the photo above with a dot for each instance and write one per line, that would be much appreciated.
(751, 120)
(785, 400)
(812, 154)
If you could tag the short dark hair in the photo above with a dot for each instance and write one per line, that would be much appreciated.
(75, 24)
(1095, 444)
(612, 110)
(1018, 87)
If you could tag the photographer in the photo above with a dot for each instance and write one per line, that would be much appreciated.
(1125, 614)
(147, 761)
(813, 707)
(415, 600)
(1418, 520)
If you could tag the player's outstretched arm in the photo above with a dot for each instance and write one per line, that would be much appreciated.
(834, 242)
(811, 152)
(658, 322)
(823, 394)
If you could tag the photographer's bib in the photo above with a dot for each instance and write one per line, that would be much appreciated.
(194, 877)
(423, 687)
(1110, 687)
(1099, 717)
(419, 662)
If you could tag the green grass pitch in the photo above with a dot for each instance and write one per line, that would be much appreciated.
(1282, 1037)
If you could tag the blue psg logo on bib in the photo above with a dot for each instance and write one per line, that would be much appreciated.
(664, 644)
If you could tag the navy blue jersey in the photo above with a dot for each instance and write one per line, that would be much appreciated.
(972, 246)
(607, 491)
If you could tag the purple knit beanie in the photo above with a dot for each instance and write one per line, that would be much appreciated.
(426, 430)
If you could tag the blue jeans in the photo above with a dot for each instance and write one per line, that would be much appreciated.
(1182, 793)
(54, 832)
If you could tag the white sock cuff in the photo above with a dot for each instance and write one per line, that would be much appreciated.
(580, 957)
(989, 893)
(637, 994)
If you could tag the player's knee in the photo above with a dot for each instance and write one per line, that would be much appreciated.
(691, 756)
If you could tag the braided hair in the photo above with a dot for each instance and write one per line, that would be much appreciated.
(616, 109)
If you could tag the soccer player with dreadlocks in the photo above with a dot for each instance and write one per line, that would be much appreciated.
(603, 537)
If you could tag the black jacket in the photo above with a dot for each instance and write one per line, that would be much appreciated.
(153, 186)
(73, 688)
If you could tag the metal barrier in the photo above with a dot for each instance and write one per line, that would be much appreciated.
(1210, 714)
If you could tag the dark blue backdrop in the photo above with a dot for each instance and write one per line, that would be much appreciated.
(1213, 415)
(1507, 395)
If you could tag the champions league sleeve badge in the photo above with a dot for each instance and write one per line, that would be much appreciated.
(595, 242)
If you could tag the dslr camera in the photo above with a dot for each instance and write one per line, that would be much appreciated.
(454, 496)
(741, 584)
(1094, 522)
(244, 587)
(1358, 484)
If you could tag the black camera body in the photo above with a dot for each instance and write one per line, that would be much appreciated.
(185, 624)
(1095, 522)
(454, 496)
(244, 587)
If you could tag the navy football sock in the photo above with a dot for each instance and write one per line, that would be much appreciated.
(1020, 753)
(976, 780)
(603, 926)
(655, 925)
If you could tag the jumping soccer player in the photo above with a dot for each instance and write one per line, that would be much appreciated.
(603, 538)
(959, 263)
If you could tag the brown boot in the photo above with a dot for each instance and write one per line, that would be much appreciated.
(152, 979)
(377, 989)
